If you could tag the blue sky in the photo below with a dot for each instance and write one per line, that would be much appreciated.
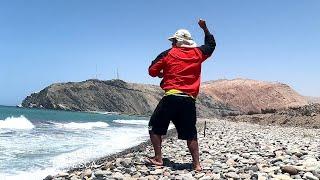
(47, 41)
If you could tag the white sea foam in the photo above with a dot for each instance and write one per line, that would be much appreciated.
(135, 122)
(106, 143)
(87, 125)
(34, 175)
(100, 146)
(16, 123)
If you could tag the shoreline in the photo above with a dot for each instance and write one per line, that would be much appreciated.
(136, 148)
(98, 161)
(230, 150)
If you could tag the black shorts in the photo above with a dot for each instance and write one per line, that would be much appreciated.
(178, 109)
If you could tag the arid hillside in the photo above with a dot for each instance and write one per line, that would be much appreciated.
(253, 96)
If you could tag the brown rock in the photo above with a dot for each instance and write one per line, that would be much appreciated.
(49, 177)
(289, 169)
(87, 173)
(231, 162)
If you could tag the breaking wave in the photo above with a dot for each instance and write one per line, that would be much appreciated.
(16, 123)
(135, 122)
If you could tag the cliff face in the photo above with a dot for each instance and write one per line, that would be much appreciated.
(217, 98)
(253, 96)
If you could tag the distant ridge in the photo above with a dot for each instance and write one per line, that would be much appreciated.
(216, 98)
(313, 99)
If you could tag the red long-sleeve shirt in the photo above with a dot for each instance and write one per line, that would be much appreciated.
(181, 66)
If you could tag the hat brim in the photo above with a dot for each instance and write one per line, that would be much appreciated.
(171, 38)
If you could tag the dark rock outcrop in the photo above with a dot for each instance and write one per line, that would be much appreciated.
(96, 95)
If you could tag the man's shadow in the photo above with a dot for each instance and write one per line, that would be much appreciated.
(176, 166)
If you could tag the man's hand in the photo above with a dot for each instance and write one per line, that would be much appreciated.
(202, 24)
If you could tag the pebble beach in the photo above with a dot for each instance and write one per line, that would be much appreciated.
(229, 150)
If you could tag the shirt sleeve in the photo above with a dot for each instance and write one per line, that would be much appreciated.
(158, 64)
(208, 47)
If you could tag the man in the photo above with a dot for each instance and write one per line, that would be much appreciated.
(180, 68)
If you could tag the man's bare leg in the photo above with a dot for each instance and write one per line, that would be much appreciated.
(194, 150)
(156, 141)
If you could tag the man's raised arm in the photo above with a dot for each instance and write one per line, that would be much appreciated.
(209, 41)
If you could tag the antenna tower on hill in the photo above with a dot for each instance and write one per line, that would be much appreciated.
(97, 74)
(118, 74)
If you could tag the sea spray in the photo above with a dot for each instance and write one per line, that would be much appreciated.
(16, 123)
(38, 142)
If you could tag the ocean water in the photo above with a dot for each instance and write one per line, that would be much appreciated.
(37, 142)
